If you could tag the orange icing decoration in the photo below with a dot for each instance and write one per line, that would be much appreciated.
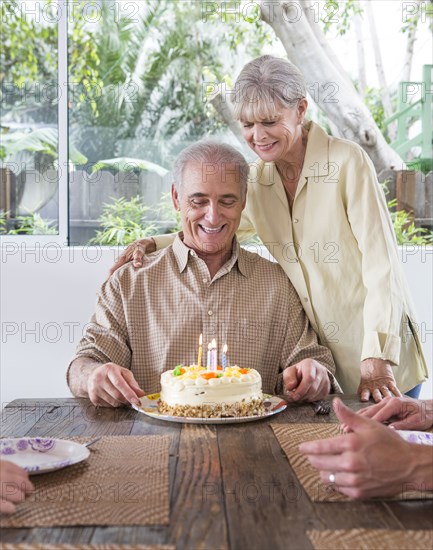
(244, 371)
(208, 375)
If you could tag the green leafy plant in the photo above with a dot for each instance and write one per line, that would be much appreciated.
(32, 224)
(123, 222)
(405, 230)
(167, 215)
(126, 164)
(404, 226)
(3, 222)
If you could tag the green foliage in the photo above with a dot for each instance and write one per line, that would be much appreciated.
(404, 226)
(242, 26)
(125, 164)
(33, 224)
(405, 230)
(27, 47)
(167, 215)
(123, 222)
(3, 222)
(373, 101)
(422, 165)
(339, 15)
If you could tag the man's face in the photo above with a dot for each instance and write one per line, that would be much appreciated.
(210, 205)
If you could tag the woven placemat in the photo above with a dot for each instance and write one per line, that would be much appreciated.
(107, 546)
(123, 482)
(366, 539)
(290, 436)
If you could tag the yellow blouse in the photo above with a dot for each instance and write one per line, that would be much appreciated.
(338, 249)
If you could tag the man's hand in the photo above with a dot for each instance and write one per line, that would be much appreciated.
(308, 380)
(377, 380)
(14, 486)
(134, 253)
(113, 386)
(407, 413)
(370, 461)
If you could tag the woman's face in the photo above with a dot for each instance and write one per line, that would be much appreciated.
(273, 140)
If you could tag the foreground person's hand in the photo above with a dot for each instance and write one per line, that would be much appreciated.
(134, 253)
(111, 385)
(308, 380)
(377, 380)
(370, 461)
(407, 413)
(14, 486)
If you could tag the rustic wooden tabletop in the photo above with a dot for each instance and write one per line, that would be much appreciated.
(231, 486)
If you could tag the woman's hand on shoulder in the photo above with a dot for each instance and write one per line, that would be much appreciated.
(134, 253)
(377, 380)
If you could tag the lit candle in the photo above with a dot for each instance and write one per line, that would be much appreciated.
(208, 357)
(213, 356)
(200, 350)
(224, 360)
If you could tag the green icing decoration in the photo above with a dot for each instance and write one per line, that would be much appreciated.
(176, 371)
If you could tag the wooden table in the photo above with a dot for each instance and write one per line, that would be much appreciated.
(231, 485)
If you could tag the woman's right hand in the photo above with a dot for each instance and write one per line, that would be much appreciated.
(405, 413)
(134, 253)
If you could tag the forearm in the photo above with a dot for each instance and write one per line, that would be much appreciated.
(78, 375)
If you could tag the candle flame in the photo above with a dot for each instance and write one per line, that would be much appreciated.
(200, 340)
(225, 348)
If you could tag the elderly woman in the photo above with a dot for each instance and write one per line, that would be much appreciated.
(315, 202)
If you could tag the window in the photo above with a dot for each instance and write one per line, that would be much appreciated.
(96, 104)
(30, 166)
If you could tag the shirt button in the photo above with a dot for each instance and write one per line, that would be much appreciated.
(210, 312)
(305, 299)
(205, 280)
(295, 220)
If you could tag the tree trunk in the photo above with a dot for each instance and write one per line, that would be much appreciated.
(411, 37)
(337, 97)
(362, 75)
(386, 98)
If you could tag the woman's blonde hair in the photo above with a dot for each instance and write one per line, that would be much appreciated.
(264, 86)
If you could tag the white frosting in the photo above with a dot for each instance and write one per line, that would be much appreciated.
(184, 390)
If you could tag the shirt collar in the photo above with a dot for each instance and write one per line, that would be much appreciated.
(182, 253)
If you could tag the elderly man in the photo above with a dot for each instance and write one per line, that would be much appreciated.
(148, 320)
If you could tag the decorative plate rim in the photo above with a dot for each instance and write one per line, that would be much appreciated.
(81, 453)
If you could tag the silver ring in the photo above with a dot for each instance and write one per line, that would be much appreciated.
(331, 478)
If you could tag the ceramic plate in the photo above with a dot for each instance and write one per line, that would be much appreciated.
(38, 455)
(149, 406)
(423, 438)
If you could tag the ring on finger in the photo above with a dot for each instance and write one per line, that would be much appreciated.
(331, 478)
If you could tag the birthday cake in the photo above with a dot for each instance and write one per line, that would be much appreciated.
(196, 391)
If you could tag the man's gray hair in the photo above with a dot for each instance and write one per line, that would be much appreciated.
(209, 153)
(264, 86)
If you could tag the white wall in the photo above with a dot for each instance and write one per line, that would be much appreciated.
(48, 294)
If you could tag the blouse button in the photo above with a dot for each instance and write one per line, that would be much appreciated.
(210, 312)
(295, 220)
